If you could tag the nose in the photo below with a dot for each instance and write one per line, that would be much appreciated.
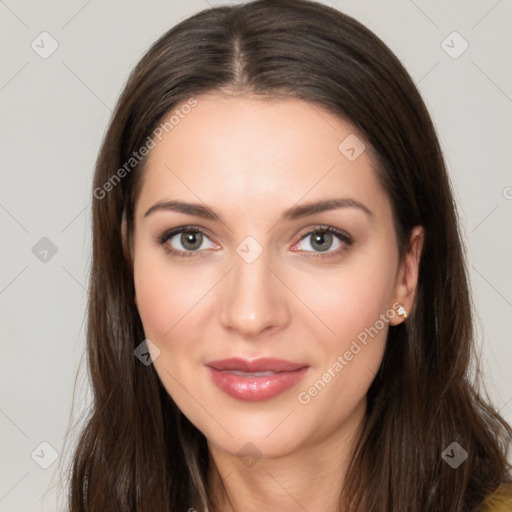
(254, 299)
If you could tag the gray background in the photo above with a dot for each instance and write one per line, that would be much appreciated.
(54, 113)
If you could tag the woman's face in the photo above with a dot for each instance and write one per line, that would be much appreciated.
(256, 277)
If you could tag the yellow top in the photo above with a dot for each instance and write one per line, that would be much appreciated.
(500, 500)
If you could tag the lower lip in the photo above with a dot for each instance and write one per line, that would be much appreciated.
(252, 388)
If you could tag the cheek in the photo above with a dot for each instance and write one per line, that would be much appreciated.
(353, 298)
(164, 293)
(154, 300)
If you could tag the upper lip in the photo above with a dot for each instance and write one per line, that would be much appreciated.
(263, 364)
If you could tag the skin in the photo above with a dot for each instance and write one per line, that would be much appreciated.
(249, 160)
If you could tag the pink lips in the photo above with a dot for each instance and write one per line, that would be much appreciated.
(259, 379)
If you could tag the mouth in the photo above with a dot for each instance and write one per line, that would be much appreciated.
(256, 380)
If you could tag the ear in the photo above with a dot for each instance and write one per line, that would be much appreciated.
(407, 279)
(127, 250)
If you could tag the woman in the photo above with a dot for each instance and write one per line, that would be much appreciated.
(279, 311)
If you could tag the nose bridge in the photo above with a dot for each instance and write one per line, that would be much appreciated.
(252, 300)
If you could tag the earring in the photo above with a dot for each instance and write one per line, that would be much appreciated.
(402, 312)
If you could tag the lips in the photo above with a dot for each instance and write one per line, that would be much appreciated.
(264, 364)
(259, 379)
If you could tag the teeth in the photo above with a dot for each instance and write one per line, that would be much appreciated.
(250, 374)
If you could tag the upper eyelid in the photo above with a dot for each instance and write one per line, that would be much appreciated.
(330, 229)
(169, 233)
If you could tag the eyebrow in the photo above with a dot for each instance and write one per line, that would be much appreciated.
(293, 213)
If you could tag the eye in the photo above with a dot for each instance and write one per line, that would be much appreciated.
(327, 240)
(185, 241)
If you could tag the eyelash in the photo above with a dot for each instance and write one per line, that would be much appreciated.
(167, 235)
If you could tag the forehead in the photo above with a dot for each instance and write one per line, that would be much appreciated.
(244, 153)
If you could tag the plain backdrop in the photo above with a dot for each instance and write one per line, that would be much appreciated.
(54, 112)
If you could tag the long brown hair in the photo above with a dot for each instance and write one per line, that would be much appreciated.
(137, 451)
